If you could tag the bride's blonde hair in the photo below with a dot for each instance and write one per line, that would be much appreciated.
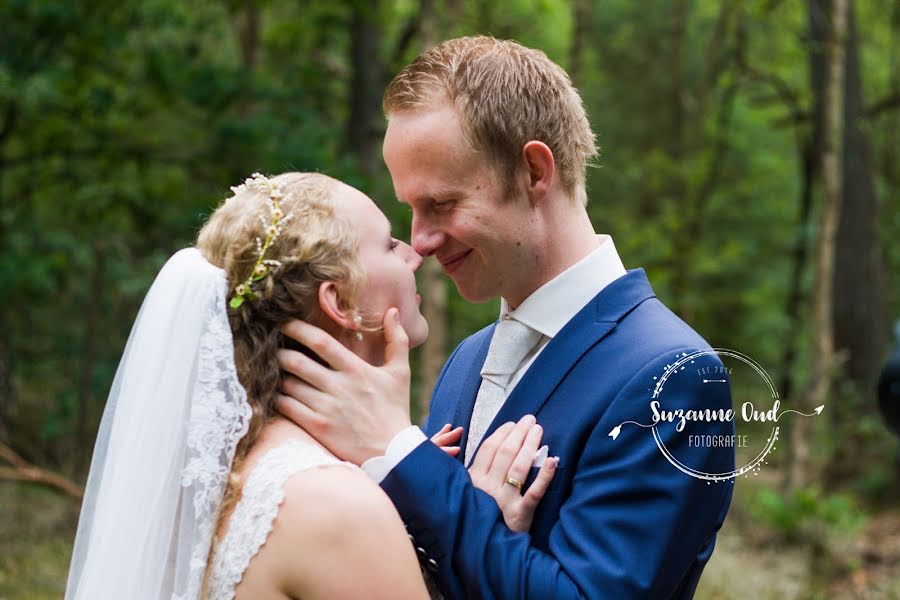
(315, 246)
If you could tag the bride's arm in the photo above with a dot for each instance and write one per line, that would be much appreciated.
(338, 536)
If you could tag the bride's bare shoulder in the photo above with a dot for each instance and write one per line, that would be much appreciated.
(318, 497)
(334, 522)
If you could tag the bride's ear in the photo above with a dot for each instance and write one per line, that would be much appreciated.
(332, 304)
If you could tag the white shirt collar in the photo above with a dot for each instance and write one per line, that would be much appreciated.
(552, 305)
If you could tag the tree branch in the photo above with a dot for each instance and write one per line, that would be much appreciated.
(782, 89)
(885, 104)
(405, 38)
(21, 470)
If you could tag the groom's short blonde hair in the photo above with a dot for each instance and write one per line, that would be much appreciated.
(506, 95)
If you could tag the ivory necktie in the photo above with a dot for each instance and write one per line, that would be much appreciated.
(511, 343)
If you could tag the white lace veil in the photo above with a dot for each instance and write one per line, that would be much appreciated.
(174, 416)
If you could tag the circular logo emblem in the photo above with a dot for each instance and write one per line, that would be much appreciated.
(712, 401)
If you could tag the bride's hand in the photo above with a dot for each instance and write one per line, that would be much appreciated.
(447, 439)
(504, 460)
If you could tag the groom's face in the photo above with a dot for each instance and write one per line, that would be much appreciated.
(460, 212)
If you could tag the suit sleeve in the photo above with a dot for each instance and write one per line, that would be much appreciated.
(632, 526)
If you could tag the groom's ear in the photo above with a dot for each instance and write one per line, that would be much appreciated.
(540, 165)
(332, 303)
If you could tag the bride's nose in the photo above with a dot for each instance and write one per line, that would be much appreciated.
(413, 258)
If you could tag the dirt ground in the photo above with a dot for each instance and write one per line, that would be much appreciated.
(751, 562)
(739, 570)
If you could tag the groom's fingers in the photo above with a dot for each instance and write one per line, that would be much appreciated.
(303, 367)
(302, 392)
(299, 413)
(521, 465)
(396, 350)
(322, 344)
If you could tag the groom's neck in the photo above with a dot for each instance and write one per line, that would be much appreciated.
(563, 237)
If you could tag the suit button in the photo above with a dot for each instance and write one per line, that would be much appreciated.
(431, 565)
(422, 552)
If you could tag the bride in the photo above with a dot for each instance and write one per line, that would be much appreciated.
(198, 488)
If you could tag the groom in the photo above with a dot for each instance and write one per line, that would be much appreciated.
(488, 143)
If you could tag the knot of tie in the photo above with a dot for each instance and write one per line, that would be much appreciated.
(511, 343)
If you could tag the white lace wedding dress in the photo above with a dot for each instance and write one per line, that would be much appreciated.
(253, 517)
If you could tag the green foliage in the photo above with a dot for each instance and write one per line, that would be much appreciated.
(807, 511)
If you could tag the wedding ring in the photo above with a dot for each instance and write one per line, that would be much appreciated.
(515, 483)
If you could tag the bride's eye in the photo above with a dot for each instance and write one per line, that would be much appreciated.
(394, 244)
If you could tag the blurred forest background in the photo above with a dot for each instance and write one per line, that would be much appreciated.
(749, 161)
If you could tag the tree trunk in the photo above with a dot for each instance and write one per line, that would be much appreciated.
(88, 360)
(363, 132)
(6, 389)
(247, 25)
(431, 277)
(832, 176)
(890, 162)
(6, 354)
(434, 353)
(677, 89)
(580, 27)
(860, 305)
(248, 35)
(696, 201)
(675, 144)
(808, 151)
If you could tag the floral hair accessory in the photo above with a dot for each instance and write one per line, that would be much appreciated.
(272, 228)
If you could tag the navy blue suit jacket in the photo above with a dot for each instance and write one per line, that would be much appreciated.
(619, 520)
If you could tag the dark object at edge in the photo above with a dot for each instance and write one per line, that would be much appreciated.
(889, 387)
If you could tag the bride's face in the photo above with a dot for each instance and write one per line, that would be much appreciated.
(389, 266)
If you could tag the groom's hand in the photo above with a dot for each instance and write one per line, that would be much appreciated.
(354, 409)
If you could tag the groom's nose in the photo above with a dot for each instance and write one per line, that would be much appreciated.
(424, 238)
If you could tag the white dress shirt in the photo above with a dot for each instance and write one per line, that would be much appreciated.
(546, 310)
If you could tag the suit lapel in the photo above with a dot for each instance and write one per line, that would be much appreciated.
(587, 328)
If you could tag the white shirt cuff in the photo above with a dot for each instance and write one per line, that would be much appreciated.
(399, 448)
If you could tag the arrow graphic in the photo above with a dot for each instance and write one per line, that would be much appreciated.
(818, 411)
(618, 428)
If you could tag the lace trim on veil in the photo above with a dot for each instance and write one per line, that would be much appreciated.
(220, 416)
